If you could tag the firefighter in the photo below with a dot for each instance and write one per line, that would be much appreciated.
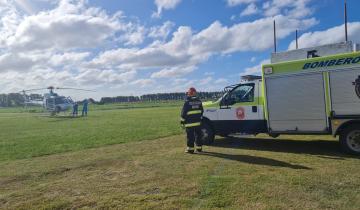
(191, 116)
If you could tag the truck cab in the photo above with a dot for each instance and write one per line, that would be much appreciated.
(239, 110)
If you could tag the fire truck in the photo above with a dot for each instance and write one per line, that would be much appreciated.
(313, 91)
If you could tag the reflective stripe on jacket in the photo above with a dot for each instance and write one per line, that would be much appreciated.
(192, 112)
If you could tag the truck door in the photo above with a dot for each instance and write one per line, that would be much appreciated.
(239, 111)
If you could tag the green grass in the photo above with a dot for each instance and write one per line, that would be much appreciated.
(33, 109)
(103, 162)
(232, 174)
(24, 135)
(114, 106)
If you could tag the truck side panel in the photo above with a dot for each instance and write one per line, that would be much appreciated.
(344, 99)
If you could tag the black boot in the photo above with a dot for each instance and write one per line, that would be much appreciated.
(189, 150)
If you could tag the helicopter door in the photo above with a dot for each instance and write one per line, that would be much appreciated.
(50, 104)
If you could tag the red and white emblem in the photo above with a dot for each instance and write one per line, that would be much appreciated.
(240, 113)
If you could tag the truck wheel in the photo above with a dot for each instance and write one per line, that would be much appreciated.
(224, 135)
(207, 134)
(350, 139)
(273, 135)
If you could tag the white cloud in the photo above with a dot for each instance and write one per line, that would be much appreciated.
(221, 81)
(41, 77)
(255, 70)
(74, 44)
(164, 5)
(101, 77)
(251, 9)
(25, 5)
(205, 81)
(329, 36)
(178, 81)
(181, 54)
(161, 32)
(291, 8)
(9, 20)
(209, 73)
(173, 72)
(68, 26)
(248, 36)
(233, 3)
(51, 46)
(143, 82)
(15, 62)
(68, 58)
(134, 36)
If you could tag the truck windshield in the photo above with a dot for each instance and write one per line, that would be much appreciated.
(242, 93)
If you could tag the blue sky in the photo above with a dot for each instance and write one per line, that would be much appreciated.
(133, 47)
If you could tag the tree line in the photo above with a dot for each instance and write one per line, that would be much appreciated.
(18, 99)
(158, 97)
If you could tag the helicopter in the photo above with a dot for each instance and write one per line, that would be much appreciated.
(51, 101)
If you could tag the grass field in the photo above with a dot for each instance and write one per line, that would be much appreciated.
(132, 157)
(25, 135)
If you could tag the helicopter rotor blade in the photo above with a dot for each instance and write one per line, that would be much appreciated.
(31, 90)
(65, 88)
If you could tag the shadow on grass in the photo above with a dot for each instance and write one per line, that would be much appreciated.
(255, 160)
(323, 148)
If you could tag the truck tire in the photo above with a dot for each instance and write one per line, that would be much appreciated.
(274, 135)
(350, 139)
(207, 134)
(224, 135)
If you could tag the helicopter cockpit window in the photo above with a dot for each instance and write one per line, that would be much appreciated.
(242, 93)
(59, 100)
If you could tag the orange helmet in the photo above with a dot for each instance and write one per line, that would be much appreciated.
(191, 91)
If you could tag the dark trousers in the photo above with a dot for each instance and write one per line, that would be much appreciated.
(75, 111)
(194, 136)
(84, 111)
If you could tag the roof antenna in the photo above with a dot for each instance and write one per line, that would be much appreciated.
(297, 43)
(346, 21)
(274, 36)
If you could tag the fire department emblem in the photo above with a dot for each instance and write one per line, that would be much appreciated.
(357, 86)
(240, 113)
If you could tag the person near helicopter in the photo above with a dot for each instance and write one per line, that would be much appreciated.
(75, 109)
(85, 107)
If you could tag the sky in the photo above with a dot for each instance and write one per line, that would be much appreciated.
(135, 47)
